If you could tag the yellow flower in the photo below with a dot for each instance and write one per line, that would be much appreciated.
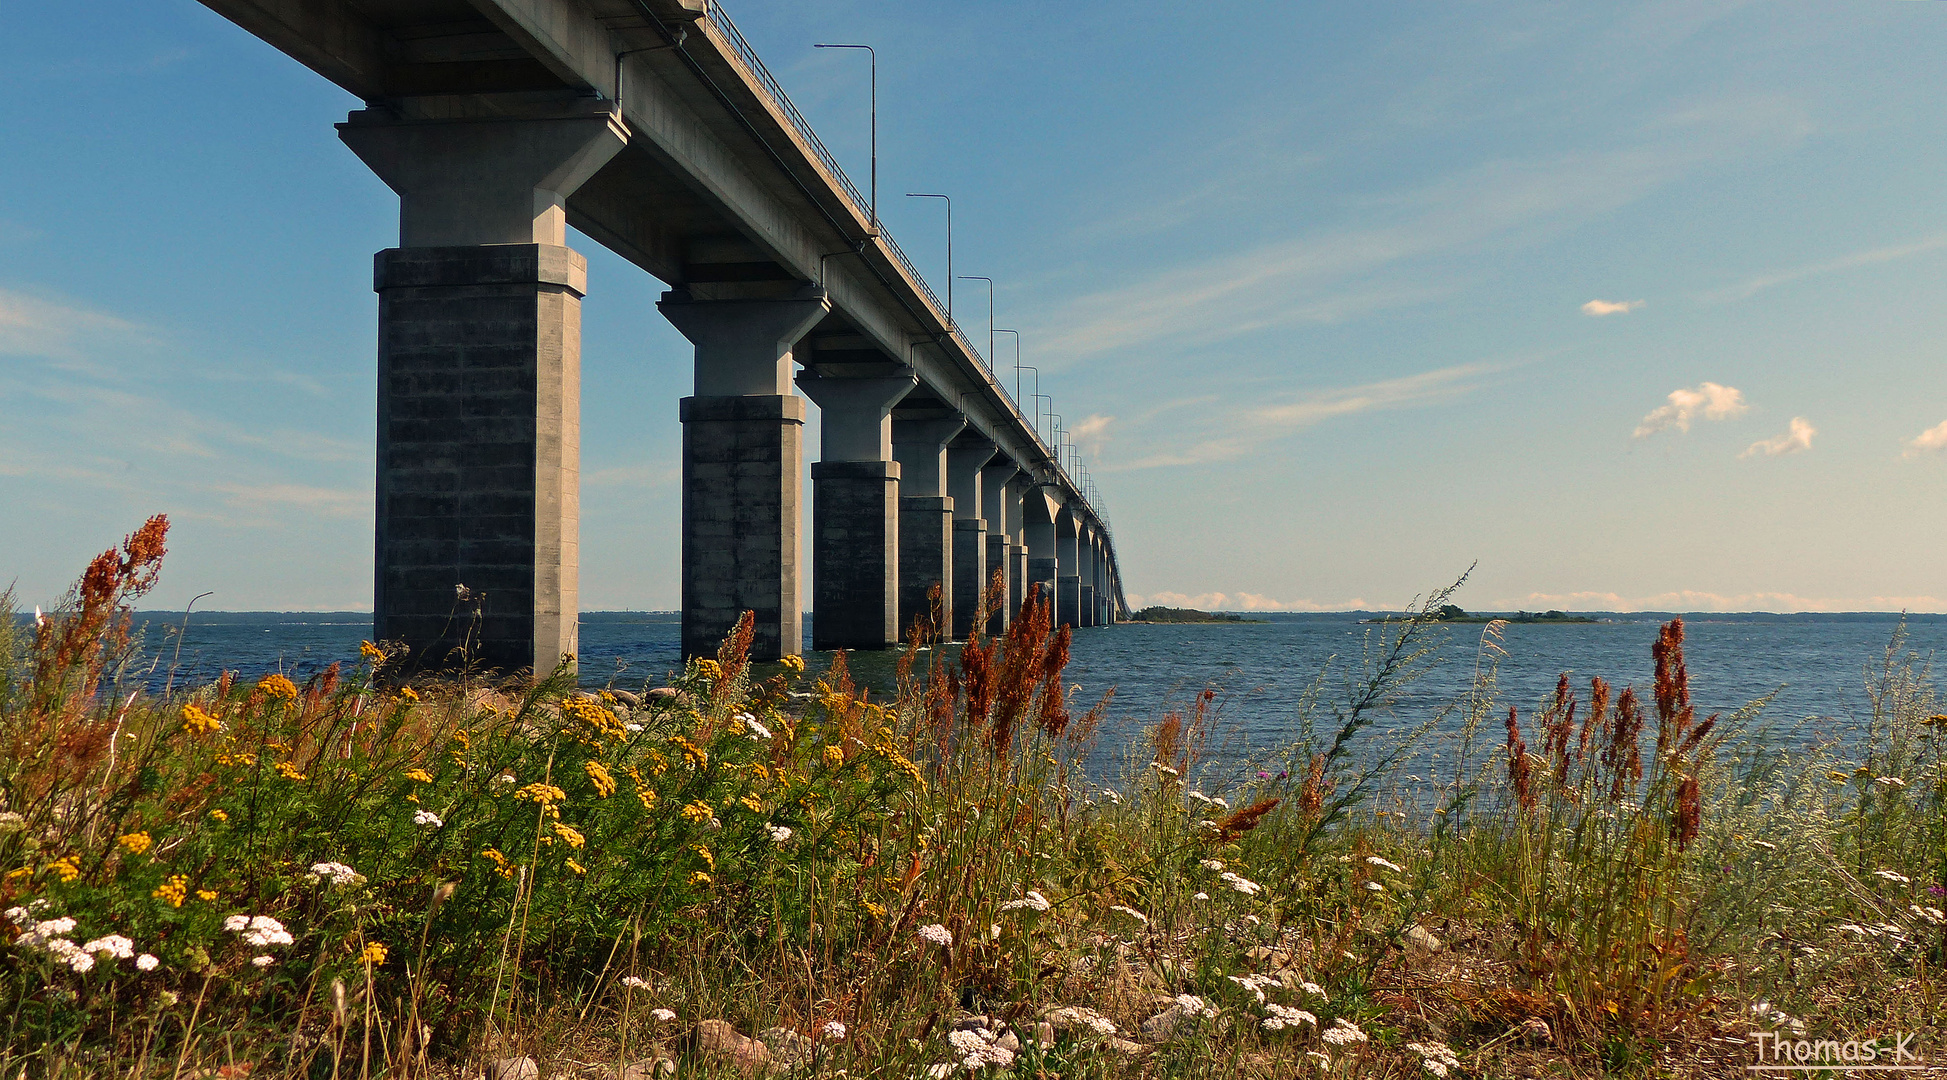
(198, 722)
(501, 865)
(219, 816)
(575, 866)
(236, 759)
(875, 910)
(704, 854)
(834, 756)
(568, 832)
(374, 954)
(207, 896)
(288, 771)
(419, 775)
(604, 782)
(594, 722)
(657, 764)
(278, 688)
(696, 756)
(709, 668)
(698, 812)
(371, 653)
(699, 878)
(136, 842)
(68, 867)
(407, 693)
(174, 891)
(795, 663)
(543, 795)
(758, 770)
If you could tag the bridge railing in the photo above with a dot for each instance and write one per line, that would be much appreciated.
(862, 206)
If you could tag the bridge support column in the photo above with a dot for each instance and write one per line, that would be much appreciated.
(855, 507)
(925, 521)
(743, 461)
(479, 378)
(1039, 510)
(964, 460)
(1104, 592)
(1002, 519)
(1068, 580)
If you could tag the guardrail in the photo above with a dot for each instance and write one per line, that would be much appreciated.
(860, 205)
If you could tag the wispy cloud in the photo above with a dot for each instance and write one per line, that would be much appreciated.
(1796, 439)
(1240, 431)
(1694, 600)
(1708, 400)
(1853, 261)
(1246, 601)
(329, 502)
(34, 326)
(1929, 441)
(1600, 308)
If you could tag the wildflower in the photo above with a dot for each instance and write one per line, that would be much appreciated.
(757, 731)
(1343, 1032)
(1323, 1062)
(67, 867)
(136, 842)
(569, 834)
(832, 1029)
(501, 864)
(1131, 912)
(795, 664)
(1033, 900)
(632, 728)
(578, 868)
(543, 795)
(505, 779)
(877, 911)
(1931, 914)
(80, 960)
(779, 833)
(833, 756)
(751, 803)
(278, 687)
(1374, 860)
(371, 653)
(1897, 879)
(709, 669)
(936, 934)
(407, 693)
(699, 878)
(114, 945)
(1212, 865)
(1436, 1057)
(219, 815)
(198, 722)
(1374, 886)
(258, 930)
(1240, 884)
(1281, 1017)
(373, 954)
(289, 771)
(1194, 1006)
(147, 962)
(1200, 896)
(1314, 989)
(428, 819)
(1890, 781)
(11, 822)
(662, 1015)
(599, 775)
(262, 961)
(635, 983)
(420, 776)
(173, 891)
(693, 755)
(337, 873)
(698, 812)
(168, 999)
(1199, 796)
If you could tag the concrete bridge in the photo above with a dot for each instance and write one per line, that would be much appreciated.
(652, 127)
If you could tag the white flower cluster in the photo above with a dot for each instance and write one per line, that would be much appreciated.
(634, 982)
(779, 833)
(1897, 879)
(1240, 884)
(832, 1030)
(337, 873)
(1254, 984)
(1212, 865)
(1314, 989)
(1082, 1016)
(1374, 860)
(757, 730)
(1436, 1057)
(1343, 1032)
(1032, 900)
(426, 819)
(260, 931)
(1278, 1017)
(1194, 1006)
(662, 1016)
(1207, 800)
(976, 1049)
(1131, 912)
(50, 936)
(936, 934)
(1932, 914)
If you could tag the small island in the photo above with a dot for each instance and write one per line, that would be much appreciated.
(1450, 613)
(1159, 614)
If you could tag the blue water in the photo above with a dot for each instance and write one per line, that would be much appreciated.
(1813, 663)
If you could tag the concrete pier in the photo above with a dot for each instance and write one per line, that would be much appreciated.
(479, 375)
(1068, 580)
(1002, 511)
(743, 462)
(919, 444)
(966, 456)
(1039, 510)
(855, 507)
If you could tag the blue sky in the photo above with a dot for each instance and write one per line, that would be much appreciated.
(1313, 280)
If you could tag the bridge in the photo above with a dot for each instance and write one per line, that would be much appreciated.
(652, 127)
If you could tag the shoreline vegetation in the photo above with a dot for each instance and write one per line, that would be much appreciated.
(370, 874)
(1156, 613)
(1451, 613)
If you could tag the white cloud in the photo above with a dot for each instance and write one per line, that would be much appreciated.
(1695, 600)
(1708, 400)
(1794, 440)
(1934, 438)
(1831, 266)
(1244, 601)
(1610, 307)
(32, 326)
(330, 502)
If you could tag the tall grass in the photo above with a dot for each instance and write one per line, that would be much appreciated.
(366, 876)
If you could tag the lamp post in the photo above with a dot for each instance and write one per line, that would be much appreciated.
(949, 249)
(1017, 363)
(875, 126)
(990, 315)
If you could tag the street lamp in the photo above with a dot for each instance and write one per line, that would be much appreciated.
(990, 315)
(949, 249)
(875, 126)
(1017, 363)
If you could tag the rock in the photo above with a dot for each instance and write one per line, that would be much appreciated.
(789, 1050)
(1044, 1035)
(1536, 1028)
(515, 1068)
(1009, 1042)
(667, 695)
(650, 1068)
(1125, 1047)
(970, 1023)
(717, 1041)
(1163, 1023)
(1069, 1019)
(1419, 935)
(626, 697)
